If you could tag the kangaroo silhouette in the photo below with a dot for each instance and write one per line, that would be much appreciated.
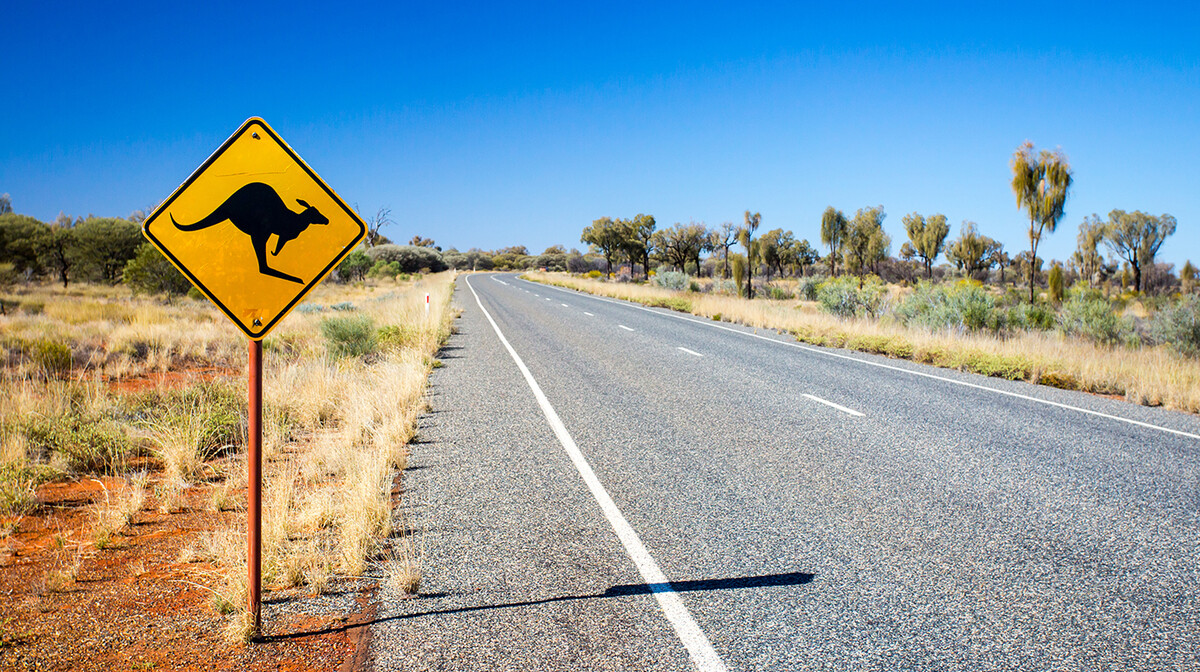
(258, 211)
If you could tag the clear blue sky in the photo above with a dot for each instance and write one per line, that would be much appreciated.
(489, 124)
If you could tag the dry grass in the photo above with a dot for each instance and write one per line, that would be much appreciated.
(1149, 375)
(335, 429)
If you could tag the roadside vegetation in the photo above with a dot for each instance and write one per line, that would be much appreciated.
(114, 377)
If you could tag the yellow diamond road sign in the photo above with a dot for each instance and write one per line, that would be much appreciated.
(254, 228)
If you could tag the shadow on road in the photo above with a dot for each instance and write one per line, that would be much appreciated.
(763, 581)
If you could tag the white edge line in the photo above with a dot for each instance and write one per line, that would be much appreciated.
(625, 327)
(881, 365)
(839, 407)
(701, 650)
(690, 352)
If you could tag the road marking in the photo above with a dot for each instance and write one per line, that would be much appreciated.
(565, 306)
(588, 314)
(881, 365)
(690, 352)
(701, 650)
(625, 327)
(498, 280)
(841, 408)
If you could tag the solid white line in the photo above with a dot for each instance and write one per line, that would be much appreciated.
(690, 352)
(881, 365)
(588, 314)
(625, 327)
(841, 408)
(703, 655)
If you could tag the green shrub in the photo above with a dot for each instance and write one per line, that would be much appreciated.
(344, 306)
(682, 305)
(779, 294)
(90, 444)
(693, 286)
(1178, 326)
(964, 306)
(842, 297)
(594, 274)
(52, 357)
(352, 336)
(1094, 320)
(384, 269)
(808, 289)
(1036, 317)
(220, 408)
(149, 272)
(672, 280)
(396, 337)
(18, 486)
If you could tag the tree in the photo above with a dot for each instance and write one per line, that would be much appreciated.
(1187, 277)
(833, 233)
(104, 245)
(5, 204)
(58, 251)
(418, 241)
(355, 266)
(803, 255)
(776, 246)
(639, 241)
(746, 238)
(1091, 233)
(865, 243)
(382, 218)
(724, 238)
(19, 237)
(927, 236)
(972, 252)
(606, 236)
(1000, 259)
(680, 244)
(149, 272)
(1054, 282)
(1041, 185)
(1136, 236)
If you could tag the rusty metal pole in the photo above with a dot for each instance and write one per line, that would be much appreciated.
(254, 489)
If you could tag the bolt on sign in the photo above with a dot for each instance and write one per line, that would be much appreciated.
(254, 228)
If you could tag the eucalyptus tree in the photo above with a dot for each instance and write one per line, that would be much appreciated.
(1137, 236)
(865, 243)
(639, 241)
(746, 238)
(1041, 184)
(973, 252)
(607, 237)
(774, 246)
(927, 237)
(1087, 254)
(724, 238)
(801, 255)
(833, 232)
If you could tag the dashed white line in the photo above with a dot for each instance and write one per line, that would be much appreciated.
(690, 352)
(588, 314)
(625, 327)
(564, 305)
(698, 646)
(839, 407)
(881, 365)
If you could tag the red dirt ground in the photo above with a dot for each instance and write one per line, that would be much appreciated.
(133, 605)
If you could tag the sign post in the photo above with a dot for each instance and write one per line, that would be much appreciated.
(255, 230)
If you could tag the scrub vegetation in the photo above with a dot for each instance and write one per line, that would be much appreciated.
(144, 396)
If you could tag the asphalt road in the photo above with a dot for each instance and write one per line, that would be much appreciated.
(808, 508)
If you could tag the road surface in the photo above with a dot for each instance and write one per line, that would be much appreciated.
(651, 490)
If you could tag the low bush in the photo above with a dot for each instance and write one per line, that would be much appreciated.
(672, 280)
(842, 297)
(89, 444)
(396, 337)
(149, 272)
(808, 289)
(352, 336)
(1037, 317)
(962, 307)
(1093, 318)
(52, 357)
(594, 274)
(1178, 326)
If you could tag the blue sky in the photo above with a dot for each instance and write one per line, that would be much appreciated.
(489, 124)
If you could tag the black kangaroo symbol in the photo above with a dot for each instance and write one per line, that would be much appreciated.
(256, 210)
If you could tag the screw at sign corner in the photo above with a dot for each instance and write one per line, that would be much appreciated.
(254, 135)
(257, 322)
